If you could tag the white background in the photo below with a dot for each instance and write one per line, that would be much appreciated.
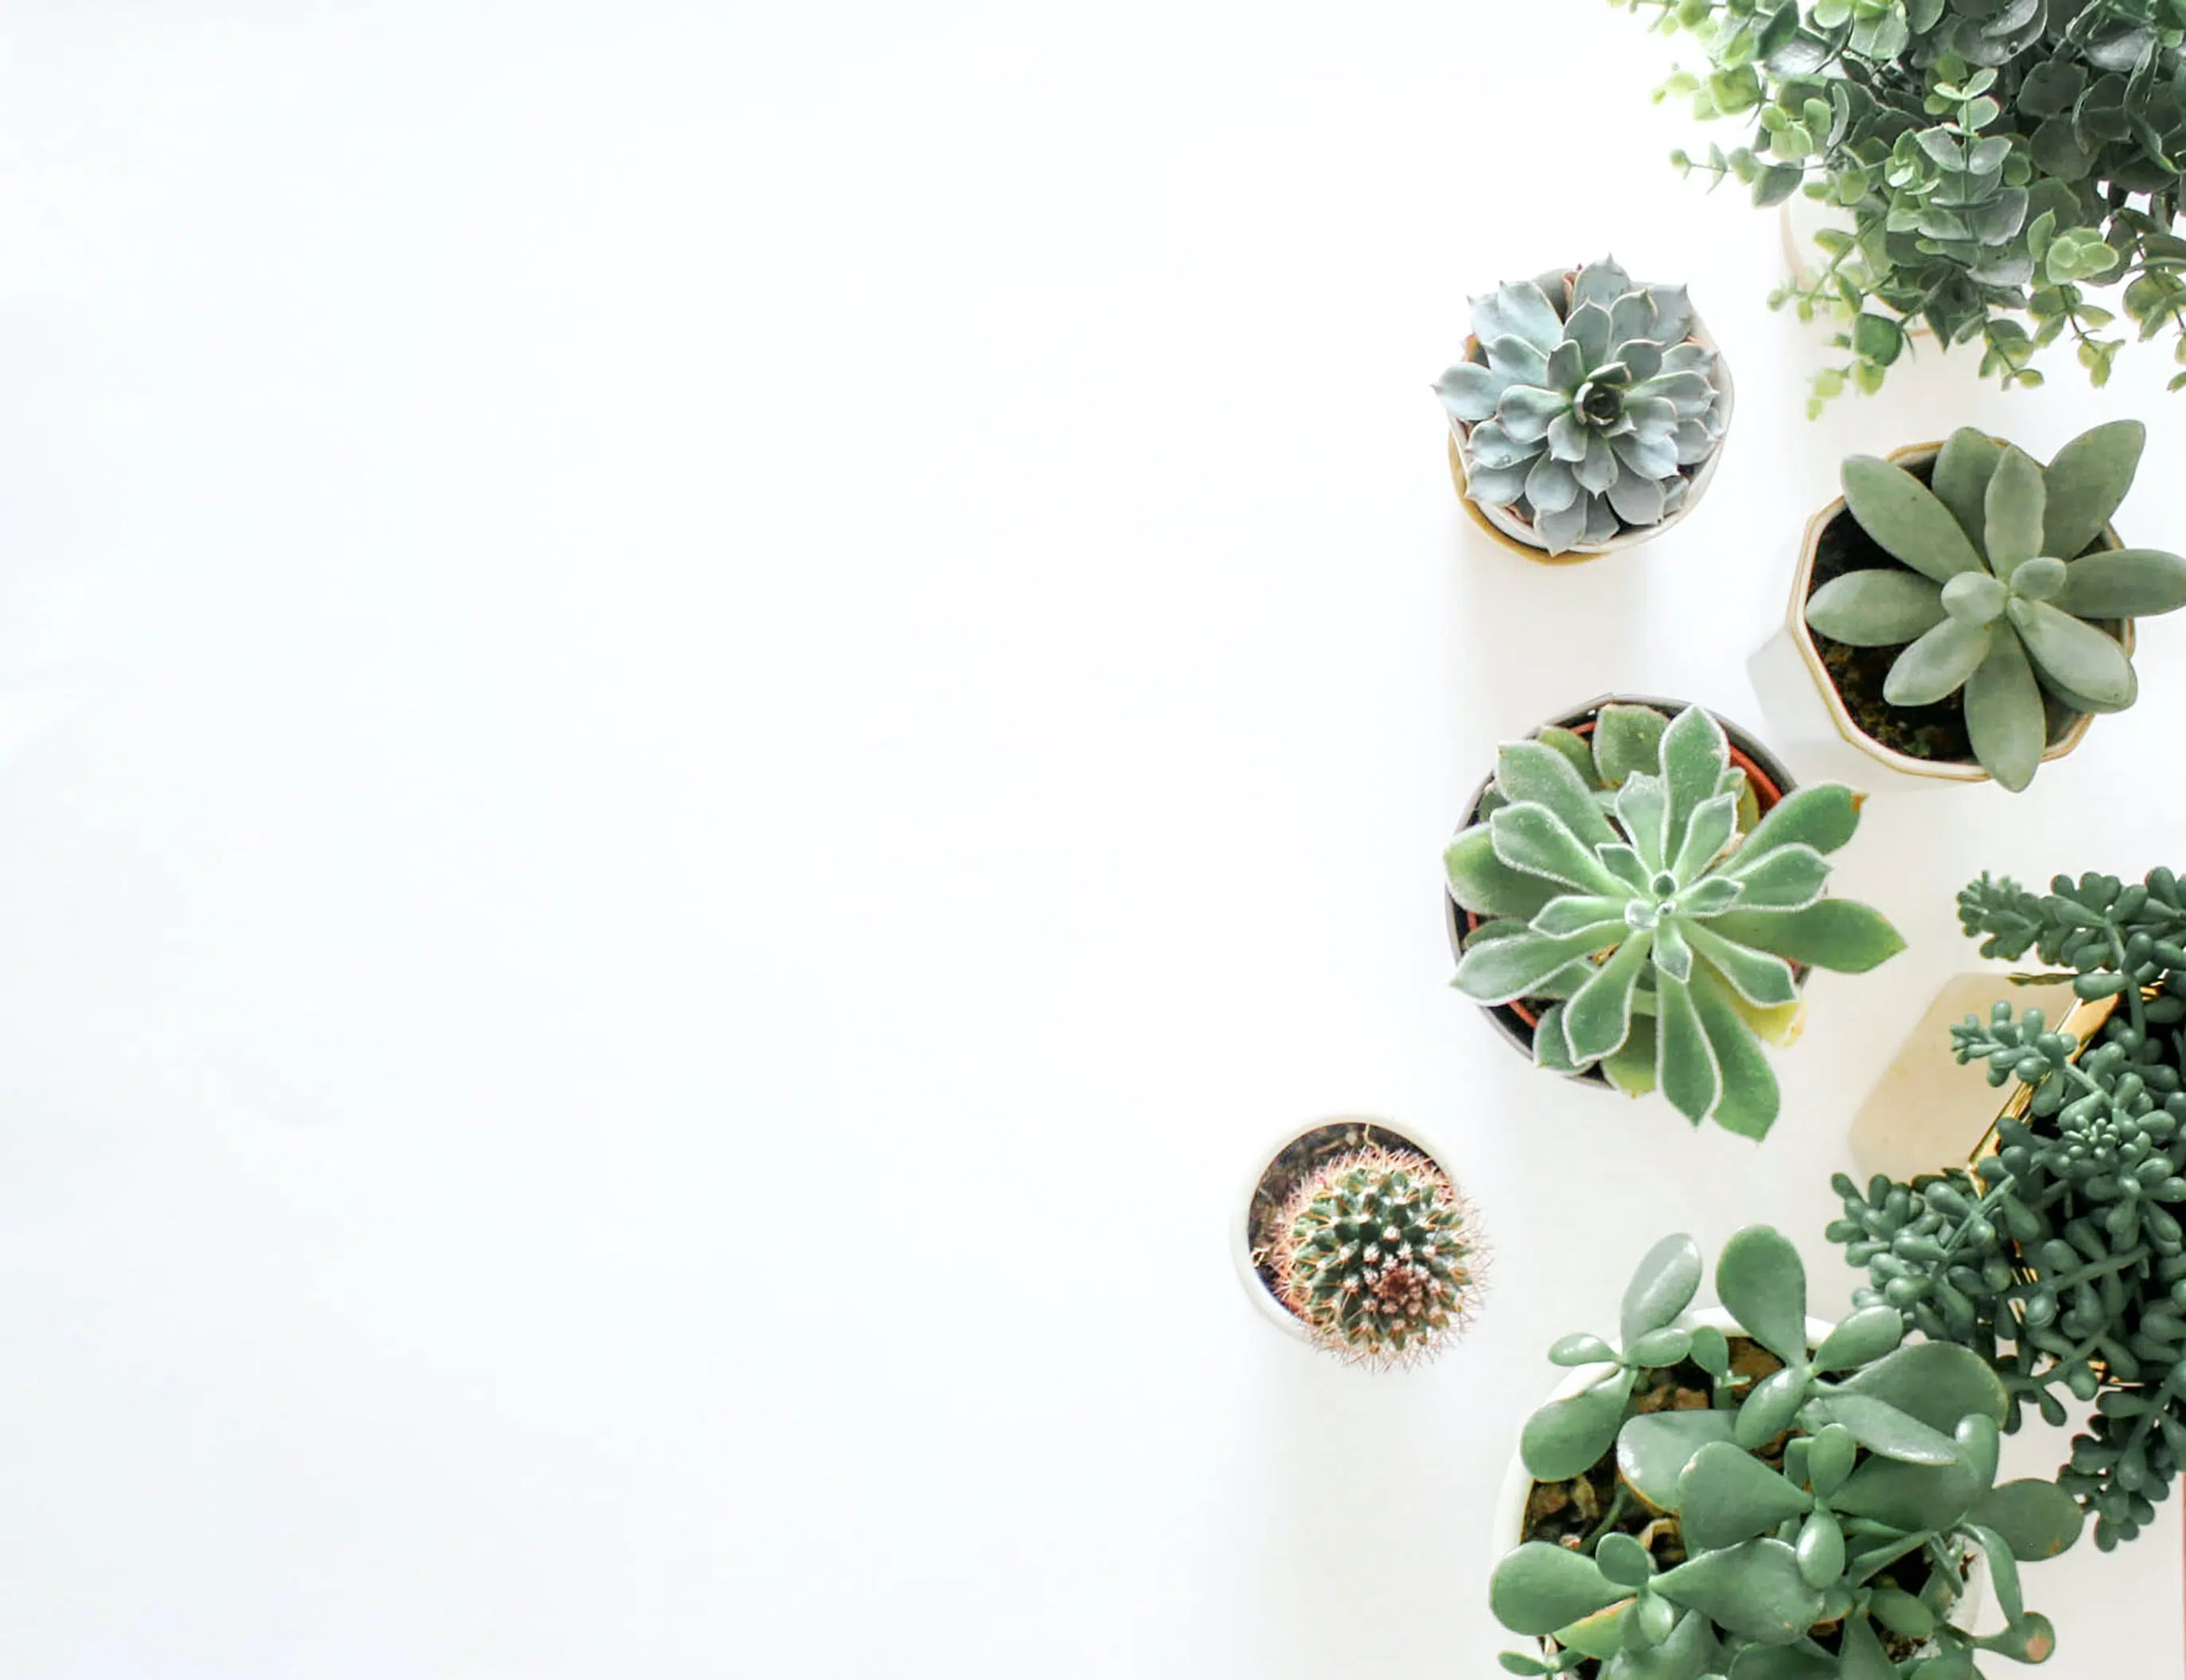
(709, 713)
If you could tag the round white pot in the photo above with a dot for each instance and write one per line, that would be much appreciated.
(1509, 1532)
(1241, 1233)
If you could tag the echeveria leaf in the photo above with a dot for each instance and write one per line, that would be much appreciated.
(1823, 815)
(1695, 754)
(1532, 837)
(1501, 971)
(1758, 976)
(1599, 1014)
(1684, 1065)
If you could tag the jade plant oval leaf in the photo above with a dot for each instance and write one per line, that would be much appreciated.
(1780, 1662)
(1725, 1496)
(1624, 1560)
(1937, 1382)
(1821, 1549)
(1539, 1587)
(1581, 1349)
(1761, 1282)
(1830, 1459)
(2006, 722)
(1663, 1286)
(2037, 1519)
(1654, 1449)
(1862, 1655)
(1904, 517)
(2029, 1639)
(1860, 1340)
(2014, 508)
(1880, 608)
(1754, 1591)
(2003, 1571)
(1771, 1407)
(1838, 934)
(1911, 1498)
(1882, 1429)
(1569, 1437)
(2075, 652)
(2124, 583)
(2085, 483)
(1600, 1635)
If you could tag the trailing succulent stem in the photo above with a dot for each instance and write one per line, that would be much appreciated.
(1585, 404)
(1995, 161)
(2007, 576)
(1620, 893)
(1816, 1520)
(2061, 1259)
(1377, 1257)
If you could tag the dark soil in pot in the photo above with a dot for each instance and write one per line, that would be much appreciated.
(1296, 1162)
(1936, 733)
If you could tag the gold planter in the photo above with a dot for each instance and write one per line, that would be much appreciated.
(1839, 715)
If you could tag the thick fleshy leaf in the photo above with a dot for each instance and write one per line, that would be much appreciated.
(1663, 1286)
(1601, 284)
(1977, 598)
(1596, 471)
(1839, 935)
(1646, 458)
(1539, 773)
(1579, 913)
(1588, 327)
(1860, 1340)
(1863, 1656)
(1643, 811)
(1638, 500)
(1497, 486)
(1771, 1406)
(1684, 1065)
(2124, 583)
(1909, 1497)
(1525, 412)
(1673, 316)
(1522, 362)
(2030, 1639)
(1790, 878)
(1980, 1444)
(1532, 837)
(1763, 1283)
(2037, 1519)
(1754, 1591)
(1470, 391)
(2006, 722)
(1652, 418)
(1631, 1070)
(1938, 1382)
(1726, 1495)
(1551, 485)
(1821, 1549)
(1600, 1635)
(1758, 976)
(1492, 447)
(1695, 755)
(1903, 516)
(2085, 483)
(1882, 1429)
(1707, 831)
(1938, 664)
(2003, 1571)
(1567, 437)
(1627, 739)
(1576, 752)
(1502, 970)
(1519, 306)
(1551, 1049)
(1632, 317)
(1566, 368)
(1539, 1587)
(1560, 529)
(2076, 653)
(1879, 607)
(1654, 1449)
(1710, 896)
(2014, 506)
(1750, 1099)
(1484, 884)
(1964, 467)
(1599, 1014)
(1823, 815)
(1777, 1662)
(1569, 1437)
(1641, 359)
(1623, 862)
(1674, 953)
(1689, 393)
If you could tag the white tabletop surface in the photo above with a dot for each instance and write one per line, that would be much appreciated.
(708, 710)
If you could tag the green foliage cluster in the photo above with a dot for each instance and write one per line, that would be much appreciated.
(1376, 1256)
(1616, 883)
(1997, 159)
(2009, 574)
(2062, 1260)
(1795, 1498)
(1586, 404)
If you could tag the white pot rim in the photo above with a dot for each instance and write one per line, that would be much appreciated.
(1241, 1220)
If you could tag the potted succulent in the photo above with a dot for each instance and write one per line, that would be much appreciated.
(2058, 1257)
(1963, 610)
(1355, 1239)
(1753, 1493)
(1622, 890)
(1992, 161)
(1587, 413)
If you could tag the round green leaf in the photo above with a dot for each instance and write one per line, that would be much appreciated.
(1761, 1282)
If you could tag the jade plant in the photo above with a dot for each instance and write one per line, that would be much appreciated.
(1777, 1506)
(2061, 1259)
(1585, 405)
(1995, 159)
(1377, 1257)
(2007, 579)
(1618, 893)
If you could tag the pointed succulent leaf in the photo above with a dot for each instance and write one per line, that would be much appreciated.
(1823, 814)
(1539, 1587)
(1709, 897)
(1632, 317)
(1470, 391)
(2075, 652)
(1596, 471)
(1647, 459)
(1749, 1098)
(1654, 1449)
(1937, 1382)
(1569, 1437)
(1754, 1591)
(1567, 369)
(1524, 363)
(1568, 438)
(1763, 1283)
(1502, 970)
(1707, 831)
(1663, 1286)
(2085, 483)
(1601, 283)
(1757, 975)
(1860, 1340)
(1532, 837)
(1790, 878)
(1673, 316)
(2006, 722)
(1638, 499)
(2014, 508)
(1904, 517)
(1519, 306)
(1599, 1014)
(1525, 412)
(1839, 935)
(1627, 739)
(1588, 327)
(1484, 884)
(1560, 529)
(1623, 862)
(1672, 953)
(1535, 772)
(1574, 913)
(1725, 1496)
(1492, 447)
(1643, 810)
(1964, 467)
(1862, 1655)
(1879, 607)
(1497, 486)
(1938, 664)
(1695, 754)
(2124, 583)
(1684, 1065)
(1551, 485)
(1882, 1429)
(1631, 1070)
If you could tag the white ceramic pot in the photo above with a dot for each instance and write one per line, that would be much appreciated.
(1509, 1519)
(1241, 1233)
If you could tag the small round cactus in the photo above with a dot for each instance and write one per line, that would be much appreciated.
(1376, 1254)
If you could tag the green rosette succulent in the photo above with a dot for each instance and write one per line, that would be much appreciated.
(2008, 574)
(1616, 886)
(1588, 405)
(2060, 1261)
(1813, 1516)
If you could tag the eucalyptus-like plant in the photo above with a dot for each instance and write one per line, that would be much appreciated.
(1586, 404)
(1995, 158)
(2006, 571)
(1377, 1256)
(1618, 891)
(2060, 1259)
(1815, 1522)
